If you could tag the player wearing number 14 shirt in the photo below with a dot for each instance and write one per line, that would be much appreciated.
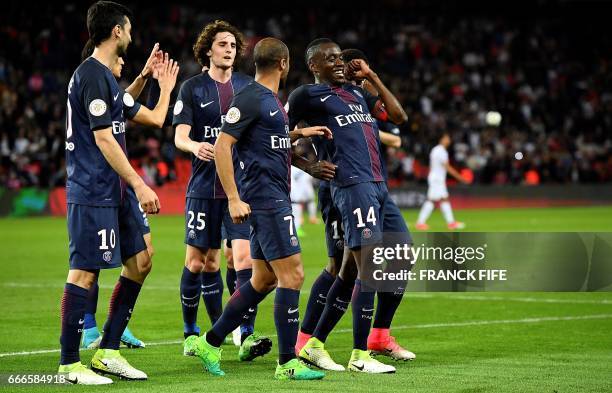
(358, 190)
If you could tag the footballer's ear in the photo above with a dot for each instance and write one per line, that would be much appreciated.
(313, 67)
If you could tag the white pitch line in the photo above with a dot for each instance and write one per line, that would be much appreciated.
(449, 296)
(456, 296)
(403, 327)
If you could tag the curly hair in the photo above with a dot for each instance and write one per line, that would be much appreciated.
(205, 40)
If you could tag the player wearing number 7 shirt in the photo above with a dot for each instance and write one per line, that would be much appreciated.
(257, 125)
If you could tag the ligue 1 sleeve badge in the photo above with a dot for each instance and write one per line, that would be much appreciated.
(97, 107)
(178, 107)
(233, 115)
(128, 100)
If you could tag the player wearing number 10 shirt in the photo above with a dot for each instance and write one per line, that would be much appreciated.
(102, 231)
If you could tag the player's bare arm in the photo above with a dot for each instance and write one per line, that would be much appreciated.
(388, 139)
(323, 170)
(147, 71)
(310, 131)
(239, 210)
(166, 75)
(117, 159)
(453, 172)
(361, 70)
(202, 150)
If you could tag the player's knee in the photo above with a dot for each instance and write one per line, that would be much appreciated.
(333, 266)
(264, 283)
(194, 264)
(293, 279)
(243, 260)
(82, 278)
(211, 265)
(145, 264)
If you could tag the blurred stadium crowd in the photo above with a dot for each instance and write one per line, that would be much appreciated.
(551, 80)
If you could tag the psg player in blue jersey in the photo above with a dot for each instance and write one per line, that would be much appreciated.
(258, 127)
(199, 113)
(164, 70)
(358, 191)
(102, 233)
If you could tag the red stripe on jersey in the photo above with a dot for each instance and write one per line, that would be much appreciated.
(372, 142)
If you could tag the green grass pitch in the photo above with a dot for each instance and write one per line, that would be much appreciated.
(474, 342)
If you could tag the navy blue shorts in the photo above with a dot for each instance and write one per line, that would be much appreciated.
(102, 237)
(203, 220)
(231, 231)
(273, 234)
(137, 211)
(334, 234)
(361, 206)
(393, 221)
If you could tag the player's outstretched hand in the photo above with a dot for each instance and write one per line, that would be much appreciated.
(147, 199)
(358, 68)
(167, 73)
(239, 211)
(204, 151)
(152, 61)
(323, 170)
(317, 130)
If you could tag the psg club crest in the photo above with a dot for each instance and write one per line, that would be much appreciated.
(294, 241)
(107, 256)
(366, 233)
(192, 234)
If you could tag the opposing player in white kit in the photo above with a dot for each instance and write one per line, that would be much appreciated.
(437, 192)
(302, 193)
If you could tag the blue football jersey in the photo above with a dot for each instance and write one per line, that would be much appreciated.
(95, 102)
(202, 103)
(259, 122)
(347, 111)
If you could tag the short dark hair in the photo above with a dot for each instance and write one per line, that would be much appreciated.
(352, 54)
(102, 17)
(207, 36)
(312, 48)
(268, 52)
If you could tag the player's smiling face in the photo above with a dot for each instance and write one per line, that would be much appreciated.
(223, 51)
(329, 65)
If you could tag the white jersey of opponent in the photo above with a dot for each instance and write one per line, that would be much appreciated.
(301, 186)
(438, 158)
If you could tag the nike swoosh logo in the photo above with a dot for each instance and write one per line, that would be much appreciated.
(190, 298)
(208, 286)
(323, 297)
(81, 321)
(115, 97)
(273, 113)
(325, 98)
(359, 368)
(202, 105)
(342, 301)
(251, 310)
(290, 311)
(367, 310)
(130, 310)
